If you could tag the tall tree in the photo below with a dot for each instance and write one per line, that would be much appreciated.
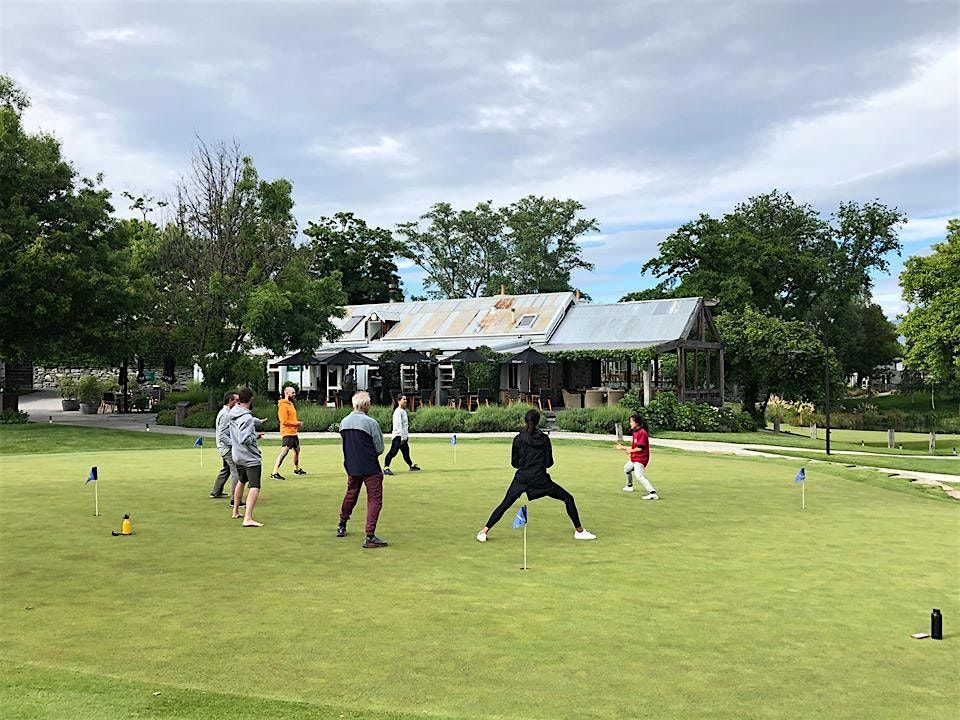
(528, 247)
(931, 286)
(363, 255)
(228, 275)
(542, 245)
(64, 286)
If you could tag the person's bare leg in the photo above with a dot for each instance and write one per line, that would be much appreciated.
(237, 496)
(248, 520)
(296, 458)
(283, 453)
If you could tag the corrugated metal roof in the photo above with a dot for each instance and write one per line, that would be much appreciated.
(624, 325)
(476, 320)
(445, 346)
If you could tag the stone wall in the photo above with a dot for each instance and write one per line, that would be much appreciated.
(46, 377)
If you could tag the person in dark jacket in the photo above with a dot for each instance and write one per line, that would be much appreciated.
(531, 456)
(362, 445)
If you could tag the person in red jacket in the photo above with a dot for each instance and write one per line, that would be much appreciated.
(639, 452)
(289, 427)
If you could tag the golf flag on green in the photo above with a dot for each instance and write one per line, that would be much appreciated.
(92, 478)
(521, 521)
(800, 478)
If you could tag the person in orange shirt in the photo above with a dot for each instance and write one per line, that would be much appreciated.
(289, 427)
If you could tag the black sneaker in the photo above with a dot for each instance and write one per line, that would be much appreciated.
(299, 471)
(277, 476)
(217, 496)
(341, 530)
(373, 541)
(414, 468)
(387, 471)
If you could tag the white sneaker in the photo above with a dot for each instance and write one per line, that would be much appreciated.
(650, 496)
(583, 535)
(628, 488)
(481, 536)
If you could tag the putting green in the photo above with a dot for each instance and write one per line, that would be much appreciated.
(722, 600)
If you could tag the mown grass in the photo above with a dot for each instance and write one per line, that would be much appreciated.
(723, 600)
(945, 466)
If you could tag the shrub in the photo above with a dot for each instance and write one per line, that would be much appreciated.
(316, 418)
(438, 420)
(289, 383)
(67, 387)
(14, 417)
(89, 390)
(497, 418)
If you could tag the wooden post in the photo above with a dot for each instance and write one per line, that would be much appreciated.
(891, 438)
(681, 375)
(647, 389)
(813, 431)
(720, 379)
(933, 442)
(696, 375)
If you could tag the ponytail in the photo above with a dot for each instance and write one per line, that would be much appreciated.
(531, 422)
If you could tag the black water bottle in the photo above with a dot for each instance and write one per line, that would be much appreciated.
(936, 624)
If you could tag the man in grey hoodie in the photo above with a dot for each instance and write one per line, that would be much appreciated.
(229, 468)
(246, 454)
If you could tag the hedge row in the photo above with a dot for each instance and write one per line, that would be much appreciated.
(665, 413)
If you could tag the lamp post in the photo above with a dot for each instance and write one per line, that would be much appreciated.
(826, 389)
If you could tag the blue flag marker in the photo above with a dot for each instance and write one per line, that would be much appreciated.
(521, 519)
(801, 476)
(92, 477)
(199, 442)
(453, 440)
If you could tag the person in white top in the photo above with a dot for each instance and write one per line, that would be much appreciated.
(401, 436)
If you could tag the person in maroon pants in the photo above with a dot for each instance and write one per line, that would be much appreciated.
(362, 445)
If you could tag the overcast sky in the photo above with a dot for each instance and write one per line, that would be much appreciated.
(647, 112)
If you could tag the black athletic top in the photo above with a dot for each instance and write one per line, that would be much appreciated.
(531, 459)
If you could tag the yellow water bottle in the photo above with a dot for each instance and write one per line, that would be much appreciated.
(125, 527)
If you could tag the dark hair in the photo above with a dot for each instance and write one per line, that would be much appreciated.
(531, 419)
(639, 420)
(396, 401)
(245, 394)
(228, 396)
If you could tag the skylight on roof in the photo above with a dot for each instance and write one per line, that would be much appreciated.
(526, 321)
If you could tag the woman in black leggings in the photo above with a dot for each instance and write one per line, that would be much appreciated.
(531, 456)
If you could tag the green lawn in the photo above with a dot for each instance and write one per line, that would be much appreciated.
(723, 600)
(948, 467)
(908, 402)
(870, 440)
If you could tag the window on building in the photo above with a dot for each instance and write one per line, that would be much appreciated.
(526, 321)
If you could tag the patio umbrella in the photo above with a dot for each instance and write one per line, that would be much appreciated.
(529, 357)
(468, 357)
(412, 357)
(347, 357)
(301, 358)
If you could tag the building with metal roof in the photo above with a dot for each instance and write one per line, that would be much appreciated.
(592, 343)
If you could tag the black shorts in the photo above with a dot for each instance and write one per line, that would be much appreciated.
(290, 441)
(249, 476)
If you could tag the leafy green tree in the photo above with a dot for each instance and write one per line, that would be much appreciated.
(542, 247)
(931, 286)
(363, 255)
(227, 274)
(870, 341)
(768, 355)
(528, 247)
(65, 289)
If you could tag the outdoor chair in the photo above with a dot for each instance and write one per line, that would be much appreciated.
(426, 397)
(571, 400)
(512, 395)
(313, 396)
(453, 398)
(545, 396)
(108, 400)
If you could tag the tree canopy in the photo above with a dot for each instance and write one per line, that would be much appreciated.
(530, 246)
(227, 274)
(931, 286)
(363, 255)
(65, 287)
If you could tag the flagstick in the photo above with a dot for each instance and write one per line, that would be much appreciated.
(524, 546)
(96, 498)
(201, 456)
(803, 496)
(454, 454)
